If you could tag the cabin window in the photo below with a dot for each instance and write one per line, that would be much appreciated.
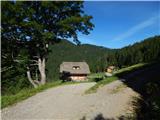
(76, 67)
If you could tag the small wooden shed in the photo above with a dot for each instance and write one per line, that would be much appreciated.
(110, 69)
(75, 71)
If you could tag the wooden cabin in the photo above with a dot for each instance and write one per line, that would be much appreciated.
(110, 69)
(74, 71)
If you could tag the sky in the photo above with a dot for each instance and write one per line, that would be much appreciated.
(118, 24)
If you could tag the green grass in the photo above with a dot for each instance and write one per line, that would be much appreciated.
(100, 84)
(93, 75)
(120, 72)
(131, 68)
(7, 100)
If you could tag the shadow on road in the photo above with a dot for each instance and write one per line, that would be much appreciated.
(101, 117)
(146, 82)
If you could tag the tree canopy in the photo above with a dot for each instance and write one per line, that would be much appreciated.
(28, 28)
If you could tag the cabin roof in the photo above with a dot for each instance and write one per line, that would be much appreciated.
(75, 67)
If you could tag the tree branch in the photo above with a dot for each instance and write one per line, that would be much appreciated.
(36, 81)
(5, 69)
(30, 79)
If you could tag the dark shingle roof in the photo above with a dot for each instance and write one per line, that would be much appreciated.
(83, 67)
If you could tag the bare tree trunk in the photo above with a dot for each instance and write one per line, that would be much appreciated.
(41, 67)
(30, 79)
(36, 75)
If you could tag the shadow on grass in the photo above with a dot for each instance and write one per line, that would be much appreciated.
(146, 82)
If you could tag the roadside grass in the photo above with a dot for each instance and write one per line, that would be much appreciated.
(100, 84)
(116, 75)
(133, 68)
(93, 75)
(7, 100)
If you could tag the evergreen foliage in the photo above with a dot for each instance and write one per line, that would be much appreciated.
(28, 28)
(99, 58)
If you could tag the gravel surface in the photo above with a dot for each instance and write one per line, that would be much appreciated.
(70, 103)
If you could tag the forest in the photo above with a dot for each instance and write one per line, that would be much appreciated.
(98, 58)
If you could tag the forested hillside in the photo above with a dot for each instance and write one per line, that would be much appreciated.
(99, 58)
(67, 51)
(14, 78)
(146, 51)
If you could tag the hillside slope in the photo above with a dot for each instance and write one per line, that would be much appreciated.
(99, 57)
(67, 51)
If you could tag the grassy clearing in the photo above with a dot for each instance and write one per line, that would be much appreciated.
(7, 100)
(115, 76)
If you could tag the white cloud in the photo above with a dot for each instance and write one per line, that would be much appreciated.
(137, 28)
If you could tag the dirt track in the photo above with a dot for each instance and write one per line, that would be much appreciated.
(70, 103)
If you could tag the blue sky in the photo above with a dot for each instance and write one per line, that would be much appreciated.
(118, 24)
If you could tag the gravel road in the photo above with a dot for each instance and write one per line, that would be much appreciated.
(70, 103)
